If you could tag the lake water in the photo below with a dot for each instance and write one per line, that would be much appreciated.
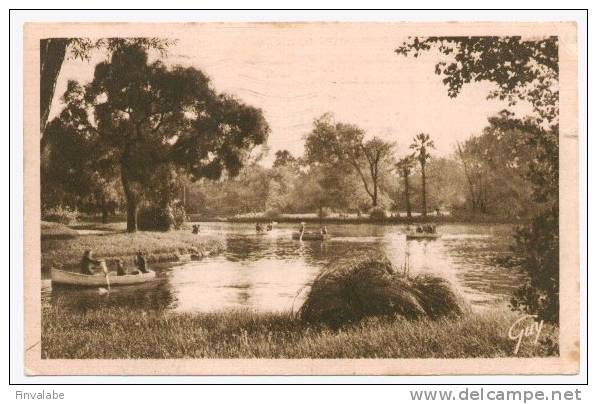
(272, 272)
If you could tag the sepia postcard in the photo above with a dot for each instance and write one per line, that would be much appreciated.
(305, 198)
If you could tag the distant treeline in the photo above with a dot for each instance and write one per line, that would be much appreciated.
(485, 176)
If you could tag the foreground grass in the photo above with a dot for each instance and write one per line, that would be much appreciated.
(158, 247)
(110, 333)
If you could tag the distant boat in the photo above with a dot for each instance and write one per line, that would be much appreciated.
(99, 280)
(422, 236)
(310, 236)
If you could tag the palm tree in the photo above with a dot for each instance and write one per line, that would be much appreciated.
(404, 165)
(421, 144)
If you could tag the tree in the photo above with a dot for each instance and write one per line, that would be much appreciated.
(152, 120)
(75, 173)
(496, 163)
(421, 145)
(404, 167)
(522, 69)
(331, 143)
(284, 158)
(326, 186)
(53, 52)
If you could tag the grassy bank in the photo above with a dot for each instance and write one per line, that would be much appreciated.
(158, 246)
(111, 333)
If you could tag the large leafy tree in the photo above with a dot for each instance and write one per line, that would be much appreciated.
(54, 51)
(521, 69)
(421, 145)
(342, 143)
(495, 165)
(151, 120)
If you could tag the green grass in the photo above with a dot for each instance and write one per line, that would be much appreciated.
(56, 231)
(110, 333)
(158, 247)
(107, 227)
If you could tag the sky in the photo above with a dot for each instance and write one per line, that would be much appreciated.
(297, 72)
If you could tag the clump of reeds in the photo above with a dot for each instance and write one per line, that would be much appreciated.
(373, 287)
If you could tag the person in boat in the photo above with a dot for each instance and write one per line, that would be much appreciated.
(195, 229)
(88, 263)
(141, 262)
(270, 226)
(323, 230)
(120, 269)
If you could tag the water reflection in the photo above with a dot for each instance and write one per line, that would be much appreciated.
(271, 272)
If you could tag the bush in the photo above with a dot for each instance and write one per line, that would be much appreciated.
(372, 287)
(272, 213)
(60, 214)
(324, 212)
(377, 213)
(161, 219)
(537, 253)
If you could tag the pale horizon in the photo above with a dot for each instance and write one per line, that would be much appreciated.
(297, 72)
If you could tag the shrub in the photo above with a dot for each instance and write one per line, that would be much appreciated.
(60, 214)
(324, 212)
(377, 213)
(372, 287)
(537, 254)
(272, 213)
(179, 215)
(161, 219)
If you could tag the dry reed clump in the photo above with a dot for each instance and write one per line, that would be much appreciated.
(372, 287)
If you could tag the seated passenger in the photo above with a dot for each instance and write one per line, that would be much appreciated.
(120, 269)
(141, 262)
(88, 263)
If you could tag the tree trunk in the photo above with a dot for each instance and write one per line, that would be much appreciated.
(104, 208)
(131, 216)
(407, 196)
(52, 53)
(424, 213)
(374, 197)
(471, 186)
(130, 195)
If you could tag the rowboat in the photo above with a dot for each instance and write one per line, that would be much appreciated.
(310, 236)
(422, 236)
(99, 280)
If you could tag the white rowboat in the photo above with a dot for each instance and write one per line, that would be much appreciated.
(99, 280)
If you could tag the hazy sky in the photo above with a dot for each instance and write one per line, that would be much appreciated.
(297, 72)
